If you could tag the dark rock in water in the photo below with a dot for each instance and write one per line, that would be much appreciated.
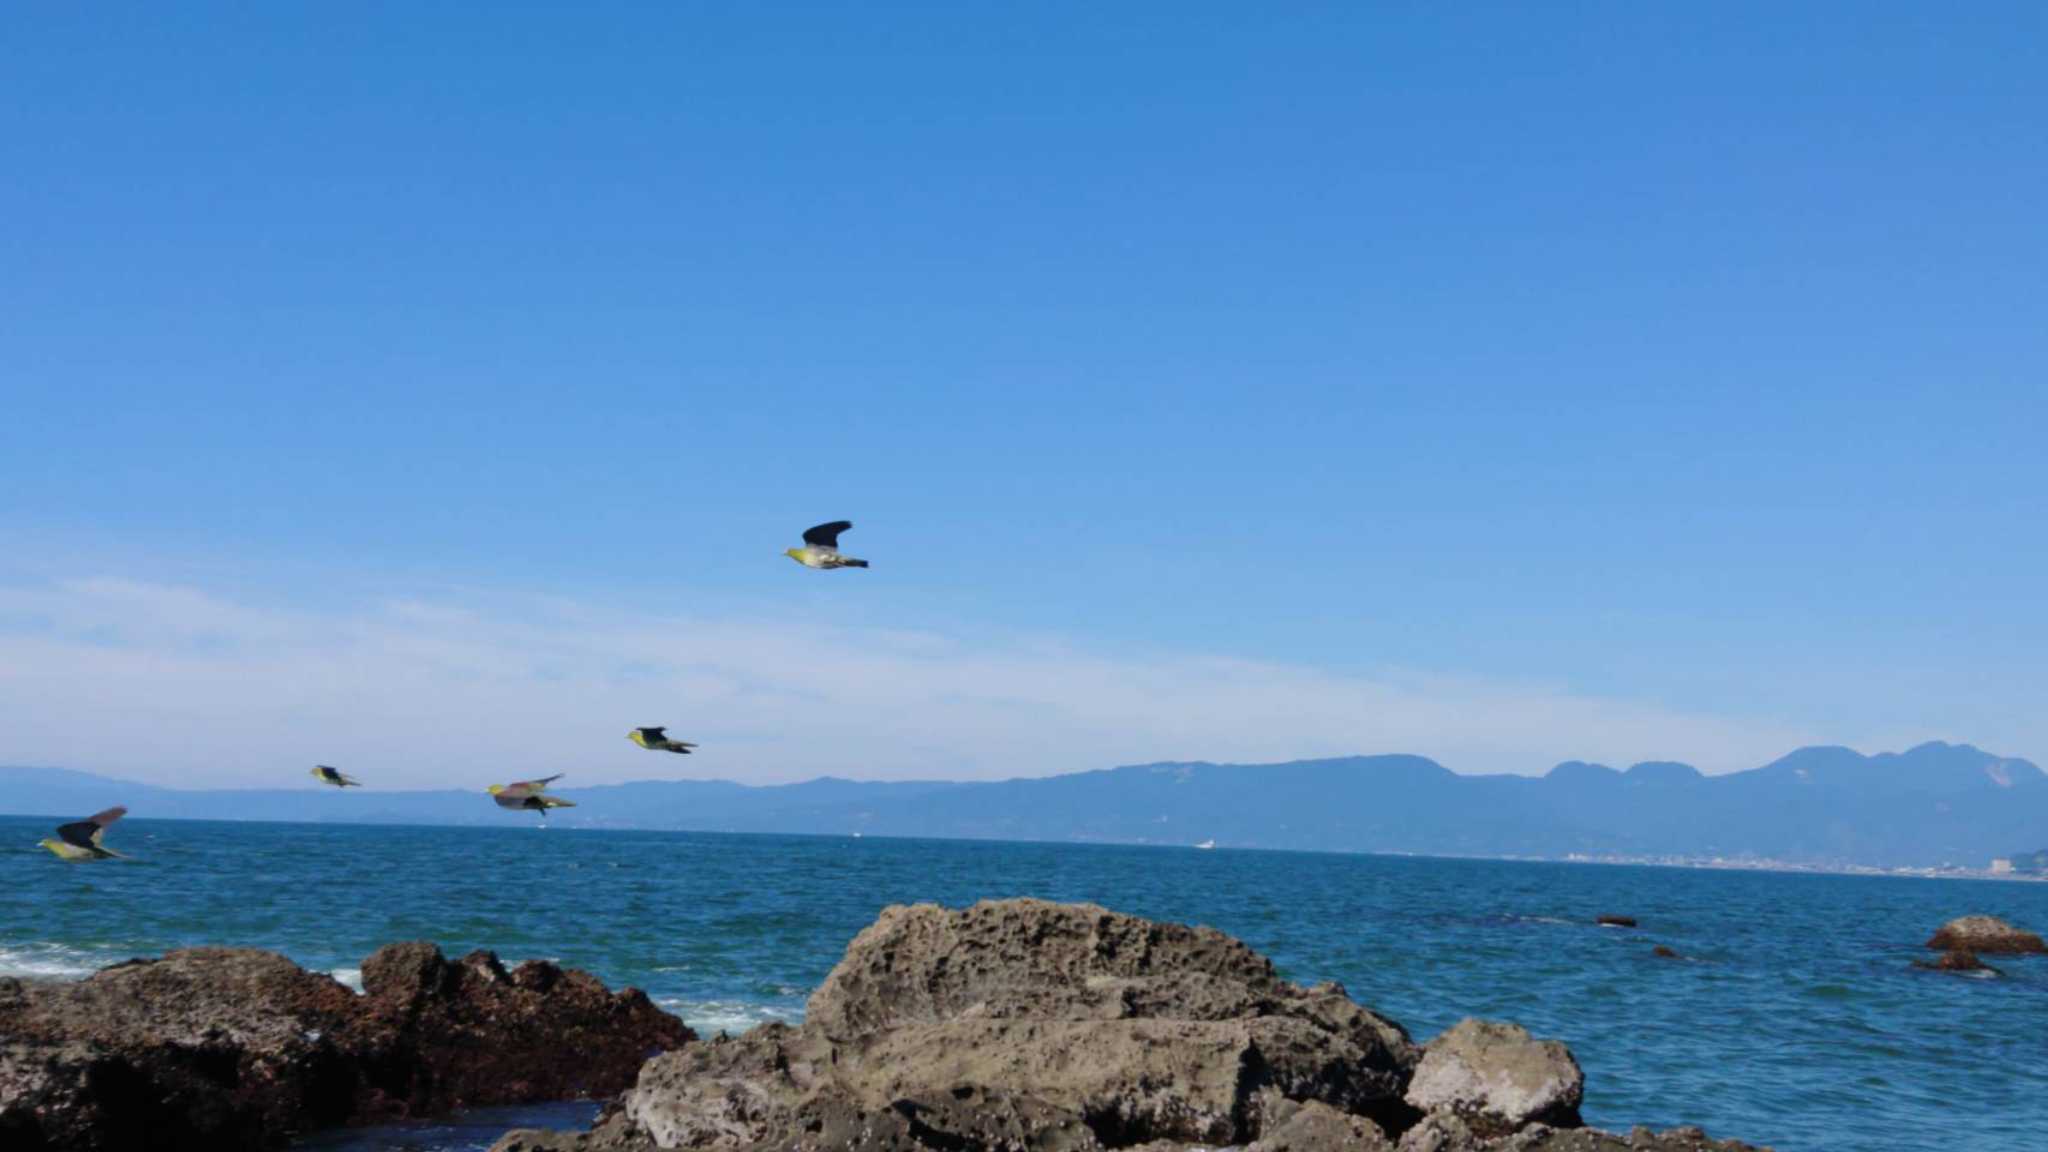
(1664, 952)
(1615, 921)
(1025, 1026)
(228, 1048)
(1987, 934)
(1955, 960)
(468, 1033)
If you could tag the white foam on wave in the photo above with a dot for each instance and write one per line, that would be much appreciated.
(37, 960)
(353, 977)
(710, 1017)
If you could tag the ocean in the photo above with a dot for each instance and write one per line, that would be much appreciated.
(1794, 1019)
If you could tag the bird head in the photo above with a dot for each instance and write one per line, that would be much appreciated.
(495, 789)
(796, 554)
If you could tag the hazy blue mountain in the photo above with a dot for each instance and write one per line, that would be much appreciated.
(1934, 804)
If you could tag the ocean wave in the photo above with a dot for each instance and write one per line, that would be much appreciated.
(42, 961)
(710, 1017)
(353, 977)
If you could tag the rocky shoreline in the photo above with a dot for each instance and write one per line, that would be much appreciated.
(1010, 1026)
(1025, 1026)
(230, 1048)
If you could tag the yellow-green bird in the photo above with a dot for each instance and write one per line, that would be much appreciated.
(656, 740)
(80, 839)
(530, 795)
(821, 548)
(335, 776)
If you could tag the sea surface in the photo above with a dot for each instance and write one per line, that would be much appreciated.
(1795, 1018)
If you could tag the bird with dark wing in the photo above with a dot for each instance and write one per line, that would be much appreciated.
(335, 776)
(656, 740)
(821, 548)
(529, 795)
(80, 839)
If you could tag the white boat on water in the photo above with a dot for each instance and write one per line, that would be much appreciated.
(1206, 844)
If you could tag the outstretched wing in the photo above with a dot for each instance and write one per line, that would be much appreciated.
(653, 733)
(86, 833)
(529, 787)
(826, 535)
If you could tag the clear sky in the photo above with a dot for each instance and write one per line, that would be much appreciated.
(431, 389)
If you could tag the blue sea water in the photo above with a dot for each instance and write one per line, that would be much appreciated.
(1795, 1018)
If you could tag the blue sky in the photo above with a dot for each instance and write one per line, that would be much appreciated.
(1502, 384)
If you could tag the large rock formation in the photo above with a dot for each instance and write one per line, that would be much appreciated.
(1023, 1026)
(1985, 934)
(225, 1048)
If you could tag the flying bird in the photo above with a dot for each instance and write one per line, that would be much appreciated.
(335, 776)
(656, 740)
(821, 548)
(530, 795)
(80, 839)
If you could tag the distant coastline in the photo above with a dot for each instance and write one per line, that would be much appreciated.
(1937, 809)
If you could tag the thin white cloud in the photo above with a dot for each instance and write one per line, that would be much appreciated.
(174, 683)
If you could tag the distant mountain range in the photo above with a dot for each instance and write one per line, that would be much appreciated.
(1937, 804)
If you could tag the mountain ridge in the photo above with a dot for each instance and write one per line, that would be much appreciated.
(1933, 804)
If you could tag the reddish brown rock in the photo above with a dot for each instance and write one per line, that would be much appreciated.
(1956, 960)
(227, 1049)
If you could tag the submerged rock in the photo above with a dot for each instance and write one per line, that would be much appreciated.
(1664, 953)
(1025, 1026)
(1956, 960)
(233, 1048)
(1615, 921)
(1986, 934)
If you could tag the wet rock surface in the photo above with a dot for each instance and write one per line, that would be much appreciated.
(229, 1048)
(1025, 1026)
(1955, 960)
(1986, 935)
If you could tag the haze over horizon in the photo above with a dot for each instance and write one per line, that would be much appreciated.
(433, 397)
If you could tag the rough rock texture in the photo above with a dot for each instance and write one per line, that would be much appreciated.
(1446, 1132)
(1023, 1026)
(226, 1048)
(1985, 934)
(1955, 960)
(1498, 1078)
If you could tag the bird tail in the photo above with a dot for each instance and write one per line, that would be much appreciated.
(851, 563)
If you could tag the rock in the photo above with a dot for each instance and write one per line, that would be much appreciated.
(1136, 1030)
(1498, 1078)
(229, 1048)
(1664, 953)
(470, 1034)
(1315, 1126)
(1985, 934)
(1024, 1026)
(1955, 960)
(1445, 1132)
(1615, 921)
